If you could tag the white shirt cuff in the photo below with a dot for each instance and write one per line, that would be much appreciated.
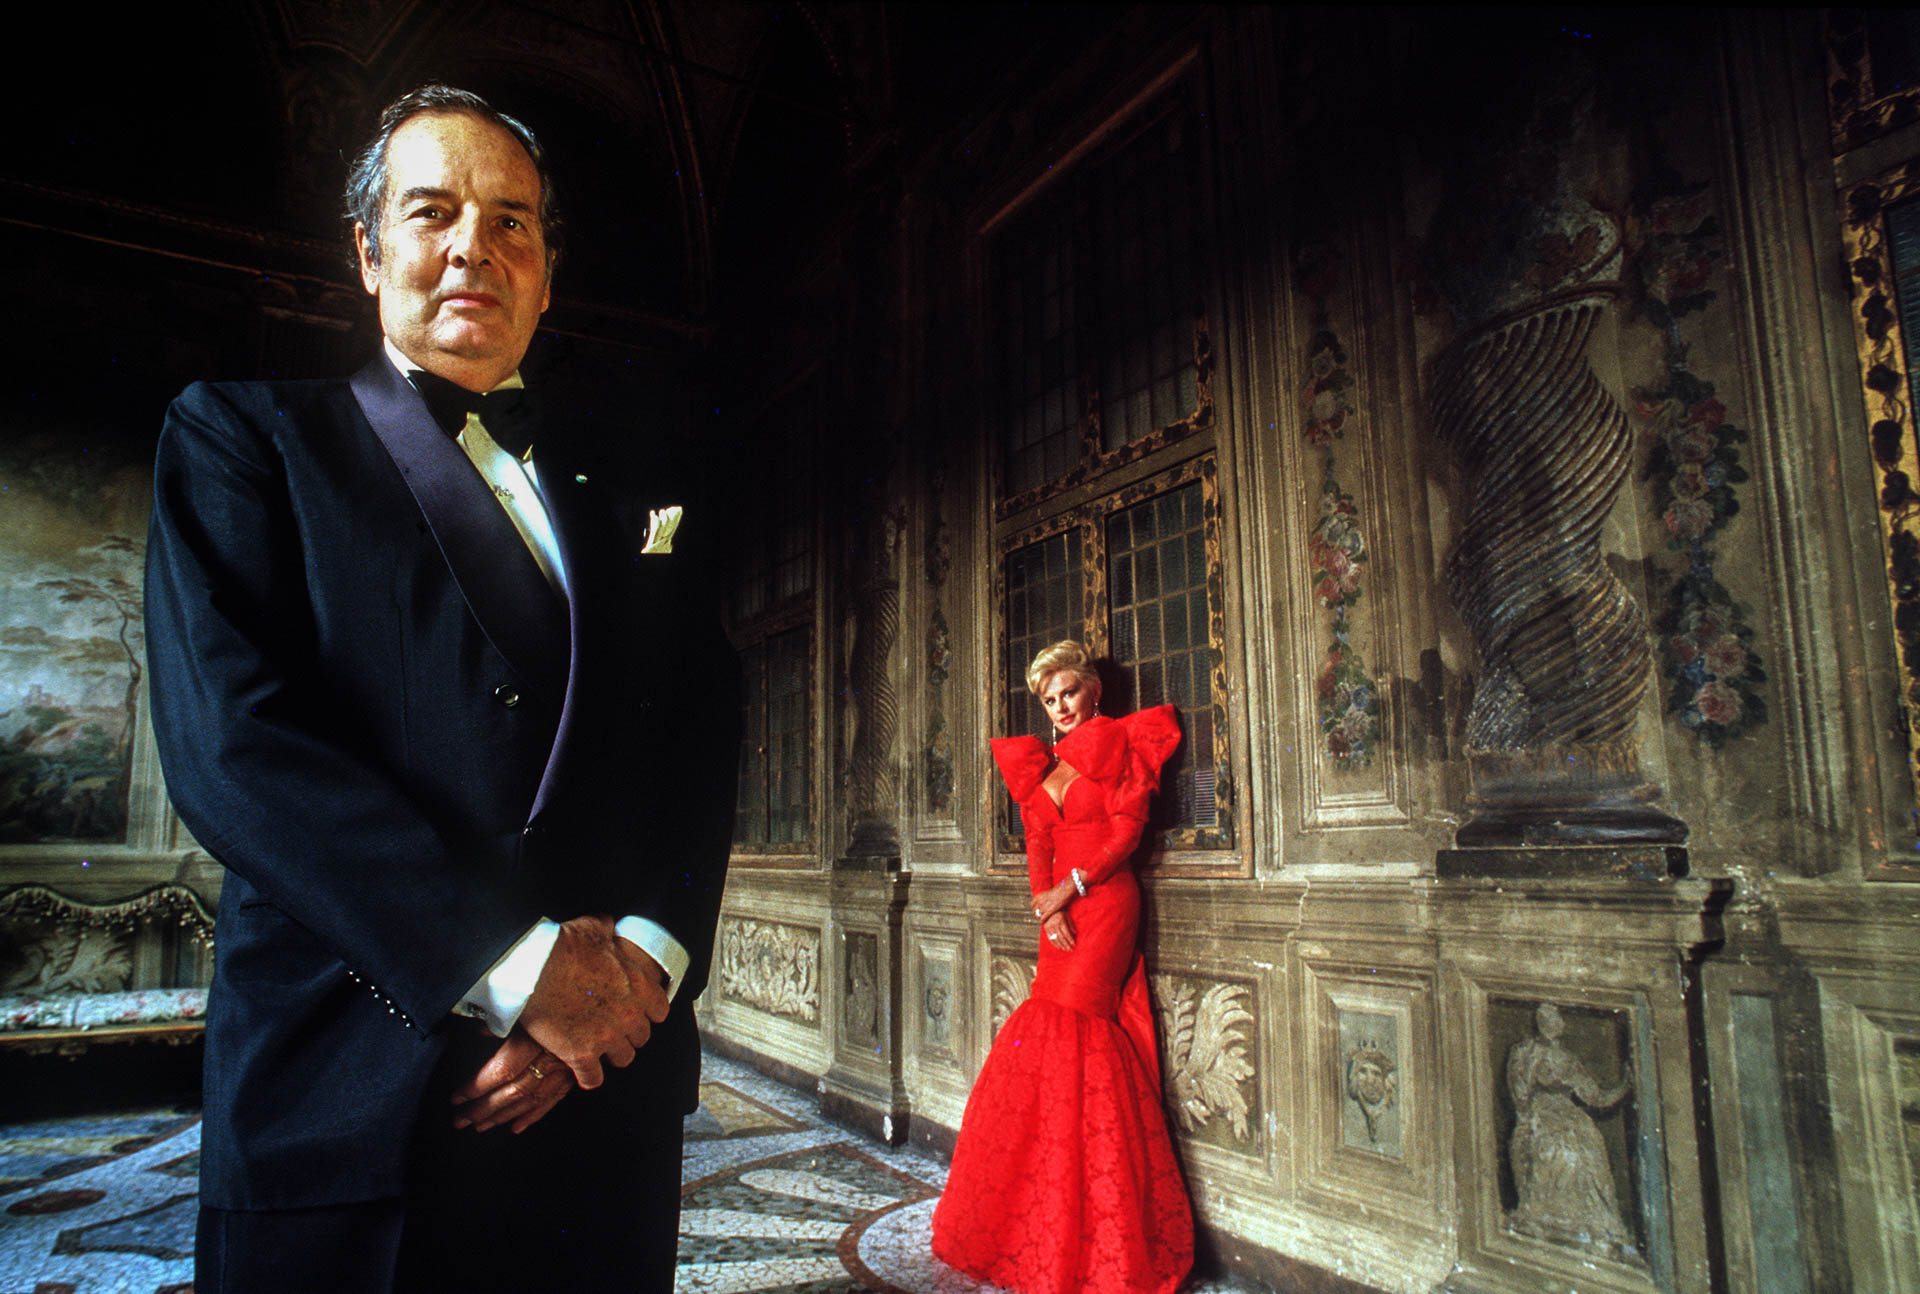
(652, 937)
(498, 997)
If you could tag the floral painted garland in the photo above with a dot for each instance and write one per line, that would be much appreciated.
(1349, 701)
(1706, 637)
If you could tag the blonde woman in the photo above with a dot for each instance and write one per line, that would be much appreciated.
(1064, 1179)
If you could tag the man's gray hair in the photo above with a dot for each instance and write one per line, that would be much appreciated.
(366, 196)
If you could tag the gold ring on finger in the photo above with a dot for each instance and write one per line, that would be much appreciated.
(535, 1070)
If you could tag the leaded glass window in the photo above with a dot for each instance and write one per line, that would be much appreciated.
(1107, 523)
(1100, 341)
(1040, 363)
(1134, 575)
(1903, 237)
(1046, 602)
(1142, 206)
(770, 606)
(1158, 617)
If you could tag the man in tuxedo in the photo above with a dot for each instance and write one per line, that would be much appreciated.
(467, 754)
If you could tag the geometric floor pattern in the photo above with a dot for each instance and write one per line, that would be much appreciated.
(774, 1201)
(99, 1204)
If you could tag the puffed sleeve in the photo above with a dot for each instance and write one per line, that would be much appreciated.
(1023, 764)
(1151, 738)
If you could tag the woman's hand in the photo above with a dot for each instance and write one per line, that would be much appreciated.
(1059, 928)
(1048, 902)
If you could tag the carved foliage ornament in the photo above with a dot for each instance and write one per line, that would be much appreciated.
(1207, 1035)
(772, 967)
(1012, 980)
(52, 944)
(63, 958)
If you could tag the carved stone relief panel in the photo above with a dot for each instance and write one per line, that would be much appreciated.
(1209, 1054)
(1371, 1111)
(772, 967)
(1568, 1126)
(936, 1004)
(1370, 1050)
(1012, 978)
(1569, 1057)
(860, 989)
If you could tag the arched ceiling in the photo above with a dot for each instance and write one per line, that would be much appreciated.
(235, 121)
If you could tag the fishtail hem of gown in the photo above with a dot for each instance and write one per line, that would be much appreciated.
(1064, 1180)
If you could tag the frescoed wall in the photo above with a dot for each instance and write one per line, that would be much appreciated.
(1490, 430)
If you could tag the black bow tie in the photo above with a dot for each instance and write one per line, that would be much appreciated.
(508, 415)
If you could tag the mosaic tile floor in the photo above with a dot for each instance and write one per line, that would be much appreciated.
(103, 1204)
(775, 1201)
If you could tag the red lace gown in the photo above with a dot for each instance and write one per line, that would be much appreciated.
(1064, 1179)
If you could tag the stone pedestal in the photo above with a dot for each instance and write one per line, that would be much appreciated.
(1637, 862)
(863, 1086)
(1569, 1031)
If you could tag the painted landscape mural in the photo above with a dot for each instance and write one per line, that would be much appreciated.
(72, 544)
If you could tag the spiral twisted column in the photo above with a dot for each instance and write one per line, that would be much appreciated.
(875, 790)
(1563, 646)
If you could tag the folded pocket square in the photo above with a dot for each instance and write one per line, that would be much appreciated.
(661, 523)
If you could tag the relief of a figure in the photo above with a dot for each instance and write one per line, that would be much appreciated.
(1560, 1165)
(1373, 1084)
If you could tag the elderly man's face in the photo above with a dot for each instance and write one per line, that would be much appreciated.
(463, 270)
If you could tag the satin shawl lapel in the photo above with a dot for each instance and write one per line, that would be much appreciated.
(577, 554)
(591, 543)
(515, 606)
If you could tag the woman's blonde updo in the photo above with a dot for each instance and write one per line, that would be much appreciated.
(1066, 656)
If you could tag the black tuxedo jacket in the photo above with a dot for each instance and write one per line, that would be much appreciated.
(405, 749)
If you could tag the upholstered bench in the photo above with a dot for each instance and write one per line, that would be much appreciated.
(74, 973)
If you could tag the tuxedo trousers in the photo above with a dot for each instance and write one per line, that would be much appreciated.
(575, 1202)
